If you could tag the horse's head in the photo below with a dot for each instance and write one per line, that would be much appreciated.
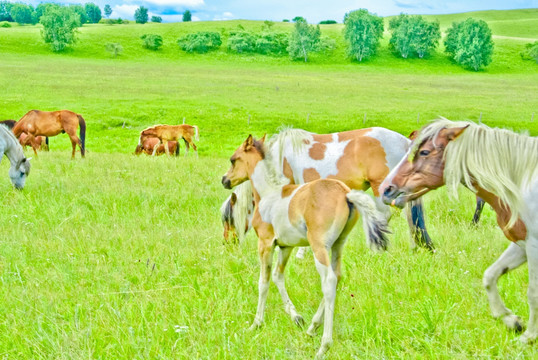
(18, 173)
(420, 170)
(139, 149)
(243, 162)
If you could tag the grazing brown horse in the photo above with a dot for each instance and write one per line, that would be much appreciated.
(51, 123)
(149, 145)
(166, 133)
(38, 142)
(501, 167)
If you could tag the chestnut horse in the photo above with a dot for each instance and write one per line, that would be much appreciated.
(52, 123)
(39, 142)
(237, 212)
(501, 167)
(20, 165)
(320, 213)
(166, 133)
(149, 145)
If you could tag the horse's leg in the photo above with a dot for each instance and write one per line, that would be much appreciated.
(417, 224)
(186, 147)
(155, 148)
(265, 249)
(166, 150)
(510, 259)
(74, 142)
(278, 279)
(30, 140)
(194, 148)
(478, 211)
(531, 333)
(301, 252)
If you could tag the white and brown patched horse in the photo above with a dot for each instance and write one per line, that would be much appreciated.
(20, 165)
(501, 167)
(320, 213)
(237, 212)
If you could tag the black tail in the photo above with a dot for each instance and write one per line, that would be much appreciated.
(422, 237)
(82, 125)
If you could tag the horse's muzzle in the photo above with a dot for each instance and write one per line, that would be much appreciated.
(226, 183)
(393, 196)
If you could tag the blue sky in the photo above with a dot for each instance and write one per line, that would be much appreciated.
(276, 10)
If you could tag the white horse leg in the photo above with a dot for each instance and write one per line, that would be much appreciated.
(278, 279)
(266, 258)
(510, 259)
(328, 286)
(531, 333)
(301, 252)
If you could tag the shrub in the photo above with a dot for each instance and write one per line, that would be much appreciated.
(5, 24)
(200, 42)
(272, 43)
(469, 43)
(156, 19)
(530, 52)
(152, 41)
(115, 49)
(413, 36)
(362, 32)
(59, 26)
(242, 41)
(327, 22)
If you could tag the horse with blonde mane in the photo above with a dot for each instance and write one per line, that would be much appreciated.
(148, 147)
(166, 133)
(51, 123)
(501, 167)
(20, 165)
(320, 213)
(237, 212)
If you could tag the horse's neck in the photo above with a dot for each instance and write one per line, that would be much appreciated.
(261, 180)
(9, 148)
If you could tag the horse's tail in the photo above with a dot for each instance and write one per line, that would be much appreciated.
(82, 125)
(176, 153)
(374, 223)
(196, 133)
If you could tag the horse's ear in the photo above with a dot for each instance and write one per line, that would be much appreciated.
(248, 143)
(233, 199)
(413, 135)
(262, 140)
(453, 133)
(28, 159)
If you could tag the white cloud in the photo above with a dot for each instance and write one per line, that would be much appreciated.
(224, 16)
(124, 11)
(178, 3)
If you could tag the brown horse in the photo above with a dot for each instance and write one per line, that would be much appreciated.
(150, 143)
(39, 142)
(51, 123)
(166, 133)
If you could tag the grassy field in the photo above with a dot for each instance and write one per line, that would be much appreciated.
(118, 256)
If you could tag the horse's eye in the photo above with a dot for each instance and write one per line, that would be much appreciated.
(232, 161)
(22, 174)
(424, 152)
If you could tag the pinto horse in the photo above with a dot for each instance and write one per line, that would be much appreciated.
(320, 213)
(149, 145)
(20, 165)
(237, 212)
(501, 167)
(51, 123)
(166, 133)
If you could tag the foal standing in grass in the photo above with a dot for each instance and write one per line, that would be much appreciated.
(320, 213)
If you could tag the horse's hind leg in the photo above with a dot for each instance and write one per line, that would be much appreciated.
(510, 259)
(74, 142)
(29, 140)
(417, 224)
(265, 249)
(531, 334)
(186, 146)
(278, 279)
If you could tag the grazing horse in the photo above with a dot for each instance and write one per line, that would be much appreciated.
(166, 133)
(149, 145)
(501, 167)
(320, 213)
(52, 123)
(20, 165)
(39, 142)
(237, 212)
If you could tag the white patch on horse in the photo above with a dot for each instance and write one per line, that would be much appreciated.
(392, 142)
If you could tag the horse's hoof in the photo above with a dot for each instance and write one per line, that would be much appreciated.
(528, 338)
(299, 321)
(311, 330)
(514, 322)
(255, 326)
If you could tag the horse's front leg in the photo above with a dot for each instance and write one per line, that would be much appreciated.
(531, 333)
(510, 259)
(29, 140)
(278, 279)
(166, 150)
(265, 249)
(155, 148)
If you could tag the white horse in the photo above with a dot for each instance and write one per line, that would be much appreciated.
(20, 165)
(320, 213)
(501, 167)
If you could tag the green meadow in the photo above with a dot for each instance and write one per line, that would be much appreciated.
(121, 257)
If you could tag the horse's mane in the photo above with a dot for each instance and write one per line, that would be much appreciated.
(274, 176)
(295, 137)
(240, 213)
(498, 160)
(8, 133)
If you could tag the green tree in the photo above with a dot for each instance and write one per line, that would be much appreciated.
(242, 41)
(187, 16)
(156, 19)
(530, 52)
(152, 41)
(108, 10)
(79, 9)
(200, 42)
(5, 11)
(362, 32)
(469, 43)
(41, 8)
(413, 35)
(59, 26)
(271, 42)
(141, 15)
(22, 13)
(298, 18)
(303, 40)
(93, 12)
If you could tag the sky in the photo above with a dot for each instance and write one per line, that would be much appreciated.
(277, 10)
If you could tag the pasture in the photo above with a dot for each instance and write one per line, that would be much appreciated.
(118, 256)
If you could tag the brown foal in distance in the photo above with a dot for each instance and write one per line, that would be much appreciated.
(166, 133)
